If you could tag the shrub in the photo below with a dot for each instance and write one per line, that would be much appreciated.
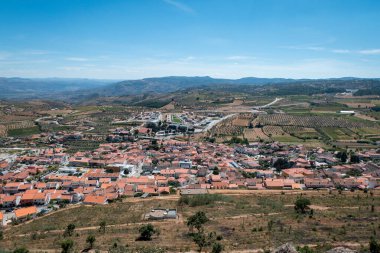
(21, 250)
(202, 199)
(67, 245)
(374, 246)
(217, 248)
(91, 240)
(301, 205)
(69, 230)
(146, 232)
(197, 221)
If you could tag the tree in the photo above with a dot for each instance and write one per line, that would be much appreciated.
(146, 232)
(91, 240)
(301, 204)
(102, 227)
(342, 156)
(354, 173)
(374, 246)
(281, 163)
(354, 159)
(69, 230)
(217, 248)
(67, 245)
(201, 240)
(197, 220)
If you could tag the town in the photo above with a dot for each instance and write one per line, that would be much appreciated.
(37, 181)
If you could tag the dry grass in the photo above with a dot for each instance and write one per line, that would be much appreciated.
(248, 220)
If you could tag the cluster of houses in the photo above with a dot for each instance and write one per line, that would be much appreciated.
(41, 180)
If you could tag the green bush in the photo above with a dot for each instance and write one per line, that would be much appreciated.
(203, 199)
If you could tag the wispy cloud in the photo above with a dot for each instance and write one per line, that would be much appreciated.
(370, 51)
(78, 59)
(341, 51)
(312, 48)
(180, 6)
(36, 52)
(239, 57)
(375, 51)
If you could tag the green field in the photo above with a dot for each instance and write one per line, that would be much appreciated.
(23, 131)
(175, 119)
(338, 133)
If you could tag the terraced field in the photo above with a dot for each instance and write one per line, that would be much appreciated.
(302, 132)
(309, 121)
(339, 133)
(255, 134)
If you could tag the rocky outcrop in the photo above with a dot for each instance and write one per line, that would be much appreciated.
(341, 250)
(285, 248)
(289, 248)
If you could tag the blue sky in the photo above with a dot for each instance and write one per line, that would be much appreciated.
(128, 39)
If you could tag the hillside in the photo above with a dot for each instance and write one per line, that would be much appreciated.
(85, 90)
(20, 88)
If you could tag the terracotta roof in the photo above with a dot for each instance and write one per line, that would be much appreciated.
(89, 199)
(23, 212)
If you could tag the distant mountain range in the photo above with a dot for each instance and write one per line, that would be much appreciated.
(79, 89)
(28, 88)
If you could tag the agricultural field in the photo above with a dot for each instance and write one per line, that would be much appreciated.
(276, 133)
(226, 128)
(241, 220)
(309, 121)
(255, 134)
(302, 132)
(23, 131)
(339, 134)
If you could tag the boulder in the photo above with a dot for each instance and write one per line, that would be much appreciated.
(341, 250)
(285, 248)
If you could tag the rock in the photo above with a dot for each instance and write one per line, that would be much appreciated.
(341, 250)
(285, 248)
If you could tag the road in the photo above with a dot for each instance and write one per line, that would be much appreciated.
(215, 122)
(267, 105)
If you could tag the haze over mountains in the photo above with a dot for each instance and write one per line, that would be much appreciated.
(63, 88)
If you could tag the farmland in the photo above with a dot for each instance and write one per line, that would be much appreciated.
(255, 134)
(308, 121)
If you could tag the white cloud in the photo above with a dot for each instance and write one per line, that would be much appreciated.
(180, 6)
(239, 57)
(315, 48)
(341, 51)
(36, 52)
(80, 59)
(370, 51)
(312, 48)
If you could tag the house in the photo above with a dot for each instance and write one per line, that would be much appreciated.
(94, 200)
(193, 191)
(10, 201)
(35, 198)
(316, 183)
(271, 183)
(26, 212)
(3, 220)
(220, 185)
(186, 164)
(12, 187)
